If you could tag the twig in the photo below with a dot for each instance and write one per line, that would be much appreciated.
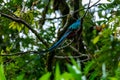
(66, 45)
(87, 9)
(66, 57)
(74, 49)
(20, 53)
(95, 3)
(80, 55)
(26, 24)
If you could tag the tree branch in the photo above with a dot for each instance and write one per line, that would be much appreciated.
(26, 24)
(20, 53)
(87, 9)
(66, 57)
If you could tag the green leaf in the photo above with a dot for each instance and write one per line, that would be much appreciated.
(67, 76)
(2, 75)
(46, 76)
(93, 75)
(75, 63)
(18, 12)
(26, 30)
(12, 25)
(30, 17)
(96, 39)
(117, 72)
(20, 77)
(57, 72)
(15, 25)
(112, 78)
(88, 67)
(74, 71)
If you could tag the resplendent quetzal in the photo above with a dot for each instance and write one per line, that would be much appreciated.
(72, 28)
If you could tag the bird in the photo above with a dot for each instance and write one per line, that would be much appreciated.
(72, 28)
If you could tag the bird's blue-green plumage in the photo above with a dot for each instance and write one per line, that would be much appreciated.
(71, 28)
(75, 25)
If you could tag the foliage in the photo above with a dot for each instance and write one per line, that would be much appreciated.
(2, 75)
(30, 26)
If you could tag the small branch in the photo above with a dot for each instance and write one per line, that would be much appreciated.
(20, 53)
(66, 45)
(66, 57)
(80, 55)
(87, 9)
(26, 24)
(94, 4)
(74, 49)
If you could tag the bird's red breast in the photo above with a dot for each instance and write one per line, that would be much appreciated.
(73, 34)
